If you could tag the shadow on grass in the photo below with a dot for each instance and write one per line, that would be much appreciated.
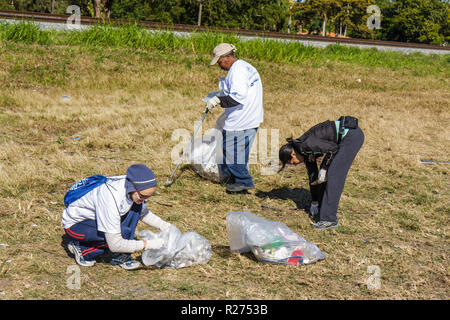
(225, 252)
(187, 172)
(300, 196)
(222, 251)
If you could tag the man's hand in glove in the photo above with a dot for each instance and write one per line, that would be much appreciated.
(321, 178)
(212, 103)
(153, 244)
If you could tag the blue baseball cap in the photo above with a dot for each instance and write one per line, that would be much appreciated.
(140, 177)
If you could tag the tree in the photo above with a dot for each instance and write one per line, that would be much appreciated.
(32, 5)
(424, 21)
(6, 5)
(321, 8)
(357, 18)
(101, 8)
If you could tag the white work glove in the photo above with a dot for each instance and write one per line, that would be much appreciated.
(153, 220)
(314, 209)
(154, 244)
(212, 103)
(321, 178)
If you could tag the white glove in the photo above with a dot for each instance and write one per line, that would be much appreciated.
(212, 103)
(321, 178)
(314, 209)
(154, 244)
(153, 220)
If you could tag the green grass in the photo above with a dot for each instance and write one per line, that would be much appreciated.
(25, 32)
(167, 42)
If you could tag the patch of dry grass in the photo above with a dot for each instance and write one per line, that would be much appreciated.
(125, 105)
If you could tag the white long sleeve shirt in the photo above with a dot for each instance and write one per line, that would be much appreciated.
(107, 204)
(243, 84)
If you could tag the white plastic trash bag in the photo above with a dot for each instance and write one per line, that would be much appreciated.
(269, 241)
(206, 152)
(179, 250)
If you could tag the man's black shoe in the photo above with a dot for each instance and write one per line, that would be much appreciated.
(237, 187)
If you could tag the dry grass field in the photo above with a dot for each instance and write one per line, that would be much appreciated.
(124, 105)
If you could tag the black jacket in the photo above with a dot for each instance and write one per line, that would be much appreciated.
(318, 141)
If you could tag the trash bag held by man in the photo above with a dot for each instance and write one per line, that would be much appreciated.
(205, 152)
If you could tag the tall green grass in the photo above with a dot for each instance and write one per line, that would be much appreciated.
(263, 49)
(26, 32)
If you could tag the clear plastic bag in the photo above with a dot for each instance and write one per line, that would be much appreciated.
(205, 152)
(179, 250)
(269, 241)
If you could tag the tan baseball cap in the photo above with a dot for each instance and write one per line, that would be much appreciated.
(221, 50)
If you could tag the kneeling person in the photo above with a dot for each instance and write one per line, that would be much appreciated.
(106, 218)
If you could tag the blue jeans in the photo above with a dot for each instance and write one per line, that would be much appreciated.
(93, 242)
(236, 151)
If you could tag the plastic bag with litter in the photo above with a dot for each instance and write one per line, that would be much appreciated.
(269, 241)
(179, 250)
(205, 152)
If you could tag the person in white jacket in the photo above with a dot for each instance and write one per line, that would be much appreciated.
(106, 218)
(242, 101)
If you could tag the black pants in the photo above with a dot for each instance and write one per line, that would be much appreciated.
(337, 173)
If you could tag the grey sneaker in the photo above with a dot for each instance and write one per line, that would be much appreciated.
(125, 261)
(322, 225)
(237, 187)
(74, 248)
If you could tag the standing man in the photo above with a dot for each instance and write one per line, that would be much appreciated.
(243, 104)
(106, 218)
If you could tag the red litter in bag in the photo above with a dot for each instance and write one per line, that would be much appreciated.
(296, 258)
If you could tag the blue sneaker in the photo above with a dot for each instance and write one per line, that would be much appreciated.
(125, 261)
(75, 249)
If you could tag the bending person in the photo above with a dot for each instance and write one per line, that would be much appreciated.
(338, 142)
(106, 218)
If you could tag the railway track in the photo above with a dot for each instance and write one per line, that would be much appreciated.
(311, 39)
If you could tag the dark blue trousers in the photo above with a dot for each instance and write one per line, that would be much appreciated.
(93, 242)
(236, 151)
(337, 174)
